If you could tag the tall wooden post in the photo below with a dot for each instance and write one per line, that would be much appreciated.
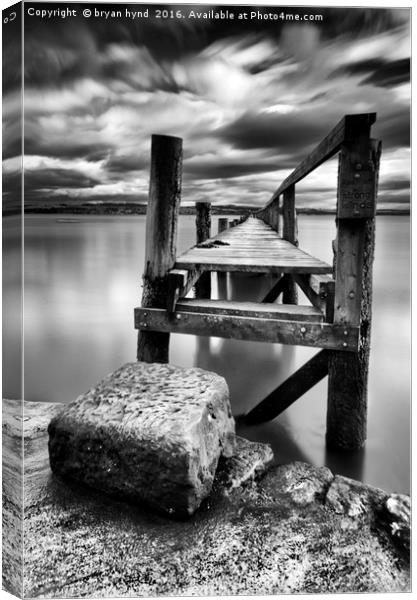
(203, 228)
(289, 232)
(356, 206)
(161, 238)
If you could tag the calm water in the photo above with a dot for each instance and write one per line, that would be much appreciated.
(83, 279)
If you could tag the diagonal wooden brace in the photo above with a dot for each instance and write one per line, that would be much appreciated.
(289, 391)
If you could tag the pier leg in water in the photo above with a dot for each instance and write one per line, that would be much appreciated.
(203, 227)
(161, 238)
(348, 371)
(289, 233)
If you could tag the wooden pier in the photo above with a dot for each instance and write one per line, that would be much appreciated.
(338, 319)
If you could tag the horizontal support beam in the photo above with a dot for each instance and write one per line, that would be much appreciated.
(180, 282)
(299, 333)
(289, 391)
(270, 310)
(345, 130)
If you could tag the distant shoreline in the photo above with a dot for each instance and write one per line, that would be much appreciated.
(140, 209)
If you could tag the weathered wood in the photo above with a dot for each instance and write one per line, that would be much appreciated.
(289, 217)
(348, 374)
(275, 292)
(252, 246)
(289, 233)
(319, 289)
(161, 238)
(203, 229)
(345, 130)
(304, 282)
(302, 333)
(222, 224)
(252, 309)
(290, 390)
(180, 282)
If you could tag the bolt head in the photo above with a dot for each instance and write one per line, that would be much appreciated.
(178, 317)
(344, 345)
(303, 329)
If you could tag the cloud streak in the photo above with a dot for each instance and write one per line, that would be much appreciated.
(249, 99)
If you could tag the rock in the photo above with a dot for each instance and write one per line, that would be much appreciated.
(250, 461)
(254, 540)
(151, 433)
(302, 482)
(397, 513)
(354, 499)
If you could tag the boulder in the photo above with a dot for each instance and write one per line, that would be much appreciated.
(355, 500)
(397, 514)
(301, 482)
(150, 433)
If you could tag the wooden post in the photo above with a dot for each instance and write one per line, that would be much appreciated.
(161, 238)
(203, 227)
(289, 232)
(356, 205)
(222, 224)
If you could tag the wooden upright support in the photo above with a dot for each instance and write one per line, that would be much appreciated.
(203, 227)
(222, 224)
(289, 232)
(356, 205)
(161, 238)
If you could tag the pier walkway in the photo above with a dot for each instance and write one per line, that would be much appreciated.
(337, 320)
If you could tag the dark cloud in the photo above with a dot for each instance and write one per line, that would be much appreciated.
(390, 74)
(127, 163)
(284, 133)
(65, 149)
(393, 129)
(55, 179)
(379, 72)
(227, 169)
(394, 184)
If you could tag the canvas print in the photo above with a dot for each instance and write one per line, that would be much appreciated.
(206, 299)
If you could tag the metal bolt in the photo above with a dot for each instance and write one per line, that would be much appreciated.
(344, 345)
(345, 332)
(358, 166)
(145, 314)
(351, 294)
(357, 175)
(303, 329)
(178, 317)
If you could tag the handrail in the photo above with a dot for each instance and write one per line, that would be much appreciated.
(347, 128)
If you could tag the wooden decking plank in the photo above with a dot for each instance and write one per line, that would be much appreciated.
(252, 246)
(252, 309)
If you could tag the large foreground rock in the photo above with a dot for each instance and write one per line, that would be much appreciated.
(270, 535)
(148, 432)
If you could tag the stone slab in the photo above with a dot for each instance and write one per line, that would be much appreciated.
(150, 433)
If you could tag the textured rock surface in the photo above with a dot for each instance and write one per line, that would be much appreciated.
(353, 499)
(257, 539)
(302, 482)
(153, 433)
(397, 513)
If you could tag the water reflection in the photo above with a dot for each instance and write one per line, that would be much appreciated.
(83, 279)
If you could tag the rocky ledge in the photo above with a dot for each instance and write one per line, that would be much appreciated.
(290, 528)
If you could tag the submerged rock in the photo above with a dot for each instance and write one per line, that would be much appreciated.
(152, 433)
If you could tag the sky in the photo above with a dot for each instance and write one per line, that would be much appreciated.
(250, 98)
